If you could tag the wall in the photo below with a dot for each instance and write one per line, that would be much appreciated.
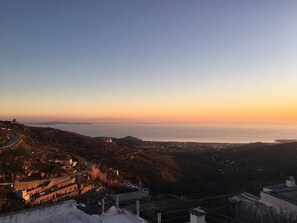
(135, 195)
(53, 195)
(19, 185)
(27, 185)
(277, 203)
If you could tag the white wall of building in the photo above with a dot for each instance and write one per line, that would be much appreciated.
(278, 204)
(50, 213)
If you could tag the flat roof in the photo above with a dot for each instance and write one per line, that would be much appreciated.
(67, 212)
(278, 187)
(283, 192)
(112, 216)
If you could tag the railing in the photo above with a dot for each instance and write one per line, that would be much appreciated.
(178, 215)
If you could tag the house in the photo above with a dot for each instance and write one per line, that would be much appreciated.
(38, 192)
(68, 212)
(274, 201)
(282, 197)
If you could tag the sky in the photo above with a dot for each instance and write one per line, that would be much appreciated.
(149, 61)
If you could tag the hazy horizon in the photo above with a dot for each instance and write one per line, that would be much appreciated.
(214, 133)
(125, 121)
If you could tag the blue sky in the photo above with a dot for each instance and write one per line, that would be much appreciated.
(146, 59)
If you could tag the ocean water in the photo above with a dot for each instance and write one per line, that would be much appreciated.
(186, 132)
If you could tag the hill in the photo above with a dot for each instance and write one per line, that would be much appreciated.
(130, 141)
(132, 163)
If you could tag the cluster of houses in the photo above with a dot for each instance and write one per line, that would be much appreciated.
(68, 212)
(67, 163)
(42, 191)
(277, 199)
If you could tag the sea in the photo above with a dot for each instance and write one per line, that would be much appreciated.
(212, 133)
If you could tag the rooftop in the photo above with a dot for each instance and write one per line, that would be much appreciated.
(283, 192)
(112, 216)
(286, 192)
(278, 187)
(67, 212)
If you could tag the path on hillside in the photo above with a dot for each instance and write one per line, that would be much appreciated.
(13, 139)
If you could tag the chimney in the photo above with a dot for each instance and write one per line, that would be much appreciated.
(102, 206)
(137, 207)
(197, 215)
(159, 217)
(117, 202)
(290, 182)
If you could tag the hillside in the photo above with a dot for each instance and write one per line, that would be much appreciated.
(199, 169)
(132, 163)
(248, 168)
(130, 140)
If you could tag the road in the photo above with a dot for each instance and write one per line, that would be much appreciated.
(13, 139)
(90, 165)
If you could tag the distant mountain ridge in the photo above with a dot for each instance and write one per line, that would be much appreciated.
(58, 123)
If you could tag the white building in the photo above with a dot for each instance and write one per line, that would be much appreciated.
(277, 199)
(282, 197)
(67, 212)
(197, 215)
